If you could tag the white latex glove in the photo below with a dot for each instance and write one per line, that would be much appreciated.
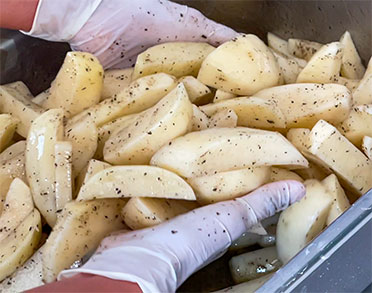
(161, 258)
(116, 31)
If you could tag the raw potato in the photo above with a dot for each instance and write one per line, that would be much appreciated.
(79, 230)
(302, 48)
(363, 93)
(15, 99)
(40, 98)
(252, 112)
(143, 212)
(63, 169)
(198, 153)
(138, 96)
(136, 143)
(351, 84)
(314, 171)
(224, 118)
(8, 126)
(367, 146)
(247, 287)
(252, 265)
(20, 244)
(358, 124)
(302, 221)
(278, 44)
(288, 66)
(221, 95)
(228, 185)
(45, 131)
(242, 66)
(114, 81)
(135, 181)
(83, 136)
(198, 93)
(324, 66)
(335, 152)
(304, 104)
(17, 206)
(340, 202)
(278, 174)
(199, 120)
(178, 59)
(78, 84)
(298, 137)
(352, 66)
(12, 151)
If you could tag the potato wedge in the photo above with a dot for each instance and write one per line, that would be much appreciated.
(288, 66)
(83, 136)
(15, 99)
(335, 152)
(352, 66)
(17, 206)
(224, 118)
(303, 105)
(363, 93)
(324, 65)
(340, 202)
(278, 174)
(40, 98)
(302, 221)
(136, 143)
(242, 66)
(303, 49)
(199, 119)
(199, 153)
(8, 125)
(79, 230)
(114, 81)
(228, 185)
(20, 245)
(63, 169)
(138, 96)
(351, 84)
(358, 124)
(135, 181)
(367, 146)
(143, 212)
(251, 111)
(314, 171)
(221, 95)
(298, 137)
(78, 84)
(12, 151)
(45, 131)
(278, 44)
(178, 59)
(198, 93)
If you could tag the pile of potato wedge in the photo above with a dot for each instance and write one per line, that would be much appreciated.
(189, 125)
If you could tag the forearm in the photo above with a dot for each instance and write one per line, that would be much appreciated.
(17, 14)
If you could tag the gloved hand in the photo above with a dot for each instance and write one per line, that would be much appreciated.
(116, 31)
(161, 258)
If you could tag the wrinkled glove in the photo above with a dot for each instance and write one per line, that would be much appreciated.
(116, 31)
(161, 258)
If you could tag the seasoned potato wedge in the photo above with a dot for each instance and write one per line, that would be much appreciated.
(40, 98)
(143, 212)
(12, 151)
(8, 126)
(17, 206)
(298, 137)
(138, 96)
(78, 84)
(199, 119)
(352, 66)
(228, 185)
(221, 95)
(314, 171)
(358, 124)
(288, 66)
(178, 59)
(224, 118)
(242, 66)
(278, 44)
(63, 169)
(340, 202)
(45, 131)
(367, 146)
(135, 181)
(198, 93)
(198, 153)
(335, 152)
(16, 100)
(304, 104)
(324, 65)
(252, 112)
(302, 221)
(303, 48)
(20, 244)
(278, 174)
(79, 230)
(114, 81)
(351, 84)
(136, 143)
(363, 93)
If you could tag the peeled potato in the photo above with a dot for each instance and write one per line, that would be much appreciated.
(12, 151)
(367, 146)
(199, 120)
(224, 118)
(352, 66)
(114, 81)
(303, 48)
(278, 44)
(198, 93)
(278, 174)
(363, 93)
(221, 95)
